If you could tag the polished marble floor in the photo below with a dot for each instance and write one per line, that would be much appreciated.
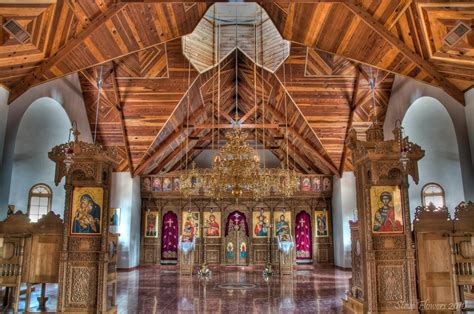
(230, 290)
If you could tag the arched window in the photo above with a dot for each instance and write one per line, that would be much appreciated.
(433, 193)
(39, 201)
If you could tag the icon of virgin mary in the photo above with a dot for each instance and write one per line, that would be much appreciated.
(87, 217)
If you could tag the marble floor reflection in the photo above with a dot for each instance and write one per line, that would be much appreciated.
(230, 290)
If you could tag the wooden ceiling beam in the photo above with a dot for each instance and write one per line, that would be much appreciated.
(247, 115)
(304, 161)
(279, 153)
(119, 107)
(376, 26)
(163, 147)
(355, 92)
(230, 126)
(36, 77)
(304, 164)
(3, 33)
(280, 118)
(187, 153)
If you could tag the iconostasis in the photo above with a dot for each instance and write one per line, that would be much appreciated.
(236, 234)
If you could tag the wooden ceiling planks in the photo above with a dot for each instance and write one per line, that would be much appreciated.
(149, 102)
(359, 30)
(143, 113)
(276, 109)
(321, 86)
(118, 30)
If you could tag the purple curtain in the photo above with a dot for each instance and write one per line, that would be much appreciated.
(236, 217)
(303, 236)
(169, 237)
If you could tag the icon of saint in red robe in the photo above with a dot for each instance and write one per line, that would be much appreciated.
(384, 220)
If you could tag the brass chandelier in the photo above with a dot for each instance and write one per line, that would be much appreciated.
(236, 169)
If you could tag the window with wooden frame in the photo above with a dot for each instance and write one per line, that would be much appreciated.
(433, 193)
(39, 201)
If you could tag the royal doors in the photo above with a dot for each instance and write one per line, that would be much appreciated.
(236, 239)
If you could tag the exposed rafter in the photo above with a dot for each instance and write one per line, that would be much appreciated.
(118, 31)
(380, 29)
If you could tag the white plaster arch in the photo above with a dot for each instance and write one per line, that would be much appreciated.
(43, 125)
(67, 92)
(429, 124)
(405, 93)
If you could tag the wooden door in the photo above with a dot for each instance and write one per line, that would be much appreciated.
(435, 269)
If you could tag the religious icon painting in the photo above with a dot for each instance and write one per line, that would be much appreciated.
(212, 224)
(151, 224)
(326, 184)
(114, 215)
(146, 185)
(321, 220)
(282, 221)
(176, 185)
(243, 250)
(86, 211)
(306, 185)
(167, 185)
(190, 226)
(298, 184)
(385, 204)
(316, 184)
(261, 223)
(229, 252)
(156, 185)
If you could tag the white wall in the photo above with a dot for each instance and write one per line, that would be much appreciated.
(44, 125)
(404, 94)
(67, 92)
(469, 96)
(343, 205)
(125, 194)
(429, 125)
(3, 118)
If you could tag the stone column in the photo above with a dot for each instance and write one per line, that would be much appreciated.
(384, 277)
(84, 258)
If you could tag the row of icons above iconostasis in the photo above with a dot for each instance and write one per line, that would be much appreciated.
(172, 184)
(261, 228)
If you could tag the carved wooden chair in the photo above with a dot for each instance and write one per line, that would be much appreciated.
(15, 232)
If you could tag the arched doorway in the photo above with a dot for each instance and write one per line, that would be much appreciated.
(303, 239)
(236, 239)
(169, 238)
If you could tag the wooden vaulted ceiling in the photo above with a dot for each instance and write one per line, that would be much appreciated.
(148, 83)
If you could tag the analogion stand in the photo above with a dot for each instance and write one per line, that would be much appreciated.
(186, 256)
(286, 250)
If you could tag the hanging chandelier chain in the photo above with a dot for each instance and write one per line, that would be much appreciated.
(187, 109)
(236, 168)
(255, 82)
(99, 91)
(286, 114)
(213, 76)
(236, 70)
